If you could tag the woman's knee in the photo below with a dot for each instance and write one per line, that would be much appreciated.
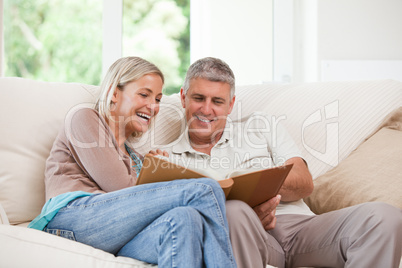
(208, 186)
(209, 182)
(185, 219)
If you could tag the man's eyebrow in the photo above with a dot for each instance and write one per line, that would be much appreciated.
(219, 98)
(197, 95)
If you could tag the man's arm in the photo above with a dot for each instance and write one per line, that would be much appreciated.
(299, 183)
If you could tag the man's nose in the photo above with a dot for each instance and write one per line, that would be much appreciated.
(207, 107)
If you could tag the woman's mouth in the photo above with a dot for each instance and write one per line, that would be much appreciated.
(144, 117)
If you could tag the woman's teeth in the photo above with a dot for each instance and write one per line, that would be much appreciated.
(144, 116)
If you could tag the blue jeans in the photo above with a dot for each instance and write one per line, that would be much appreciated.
(181, 223)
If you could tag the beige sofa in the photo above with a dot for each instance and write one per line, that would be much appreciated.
(330, 122)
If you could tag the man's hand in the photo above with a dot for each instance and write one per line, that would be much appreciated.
(266, 212)
(159, 152)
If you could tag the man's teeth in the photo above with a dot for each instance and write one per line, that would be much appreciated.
(204, 120)
(145, 116)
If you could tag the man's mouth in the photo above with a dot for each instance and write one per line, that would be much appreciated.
(205, 120)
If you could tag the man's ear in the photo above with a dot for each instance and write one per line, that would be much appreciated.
(183, 98)
(231, 104)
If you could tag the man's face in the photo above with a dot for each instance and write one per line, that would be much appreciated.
(207, 105)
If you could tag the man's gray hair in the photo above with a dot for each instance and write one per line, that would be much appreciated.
(211, 69)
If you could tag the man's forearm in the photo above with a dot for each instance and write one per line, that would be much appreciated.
(299, 183)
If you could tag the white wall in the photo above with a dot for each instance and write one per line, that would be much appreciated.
(236, 31)
(347, 31)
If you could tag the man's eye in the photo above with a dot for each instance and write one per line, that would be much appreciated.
(198, 98)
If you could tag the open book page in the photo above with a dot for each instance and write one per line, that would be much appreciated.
(210, 173)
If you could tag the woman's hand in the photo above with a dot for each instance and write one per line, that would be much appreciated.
(266, 212)
(159, 152)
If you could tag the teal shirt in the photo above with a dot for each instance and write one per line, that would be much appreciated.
(53, 206)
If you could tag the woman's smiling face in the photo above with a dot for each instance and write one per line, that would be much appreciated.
(137, 103)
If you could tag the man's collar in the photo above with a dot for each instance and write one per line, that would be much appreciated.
(183, 144)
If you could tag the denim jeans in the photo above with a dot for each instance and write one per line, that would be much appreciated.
(181, 223)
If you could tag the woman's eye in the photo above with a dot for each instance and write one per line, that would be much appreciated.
(158, 100)
(143, 95)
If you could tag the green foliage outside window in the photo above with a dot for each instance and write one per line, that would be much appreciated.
(62, 40)
(158, 30)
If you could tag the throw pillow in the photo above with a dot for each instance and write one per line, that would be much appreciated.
(370, 173)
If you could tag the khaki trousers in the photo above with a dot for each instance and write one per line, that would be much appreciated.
(366, 235)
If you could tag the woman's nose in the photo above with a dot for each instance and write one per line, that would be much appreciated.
(153, 106)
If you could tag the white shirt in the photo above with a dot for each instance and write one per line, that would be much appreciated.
(253, 143)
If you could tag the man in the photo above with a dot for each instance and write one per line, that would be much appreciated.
(286, 233)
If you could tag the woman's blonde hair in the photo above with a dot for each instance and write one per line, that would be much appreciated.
(119, 74)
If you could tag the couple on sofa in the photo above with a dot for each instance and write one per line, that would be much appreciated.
(92, 195)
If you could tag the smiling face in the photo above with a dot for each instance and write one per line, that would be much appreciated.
(136, 104)
(207, 106)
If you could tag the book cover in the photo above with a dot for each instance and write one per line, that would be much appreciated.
(253, 187)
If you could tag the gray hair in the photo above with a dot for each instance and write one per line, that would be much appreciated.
(211, 69)
(119, 74)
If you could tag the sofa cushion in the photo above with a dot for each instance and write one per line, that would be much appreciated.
(32, 114)
(370, 173)
(24, 247)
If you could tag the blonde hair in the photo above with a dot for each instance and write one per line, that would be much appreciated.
(119, 74)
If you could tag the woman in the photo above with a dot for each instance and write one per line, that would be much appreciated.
(91, 175)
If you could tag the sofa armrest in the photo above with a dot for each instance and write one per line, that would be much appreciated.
(3, 216)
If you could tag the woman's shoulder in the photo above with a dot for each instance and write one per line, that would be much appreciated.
(82, 115)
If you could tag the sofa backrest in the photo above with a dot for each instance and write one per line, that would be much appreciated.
(33, 112)
(328, 120)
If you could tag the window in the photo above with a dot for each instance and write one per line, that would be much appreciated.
(53, 40)
(66, 40)
(158, 30)
(62, 40)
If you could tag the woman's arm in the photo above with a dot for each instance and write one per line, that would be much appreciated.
(95, 150)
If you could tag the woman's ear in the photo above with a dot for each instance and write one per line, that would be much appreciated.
(115, 95)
